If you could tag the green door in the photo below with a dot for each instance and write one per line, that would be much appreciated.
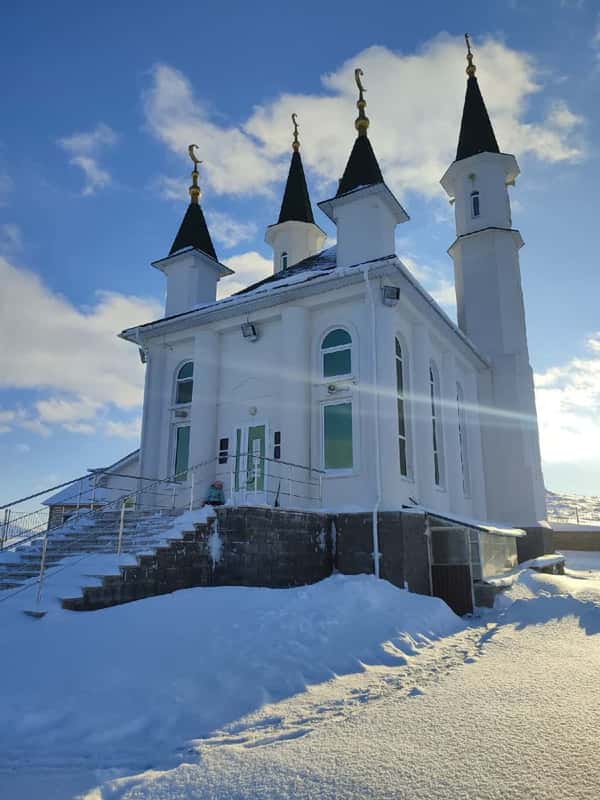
(255, 471)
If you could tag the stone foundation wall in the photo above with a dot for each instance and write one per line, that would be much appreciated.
(402, 545)
(538, 542)
(272, 547)
(577, 540)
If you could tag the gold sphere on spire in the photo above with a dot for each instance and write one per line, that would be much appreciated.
(362, 121)
(194, 189)
(470, 65)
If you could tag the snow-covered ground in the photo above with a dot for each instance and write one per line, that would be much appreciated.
(350, 688)
(573, 508)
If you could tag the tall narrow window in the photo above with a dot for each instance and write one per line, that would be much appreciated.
(223, 450)
(475, 204)
(401, 400)
(284, 260)
(462, 441)
(185, 383)
(337, 436)
(182, 452)
(277, 445)
(436, 429)
(337, 353)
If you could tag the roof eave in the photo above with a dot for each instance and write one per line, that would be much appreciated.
(328, 206)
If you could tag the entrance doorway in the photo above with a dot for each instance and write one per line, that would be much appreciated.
(250, 465)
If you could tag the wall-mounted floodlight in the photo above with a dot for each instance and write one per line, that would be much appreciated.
(249, 331)
(390, 295)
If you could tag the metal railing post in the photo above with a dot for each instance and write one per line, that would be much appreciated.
(80, 484)
(42, 569)
(93, 491)
(4, 537)
(577, 514)
(174, 492)
(192, 491)
(290, 482)
(121, 525)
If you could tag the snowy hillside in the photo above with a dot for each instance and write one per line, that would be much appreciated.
(572, 507)
(348, 688)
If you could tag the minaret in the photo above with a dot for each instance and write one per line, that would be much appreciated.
(364, 210)
(491, 313)
(295, 236)
(192, 268)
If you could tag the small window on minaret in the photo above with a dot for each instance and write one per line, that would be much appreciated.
(284, 260)
(475, 204)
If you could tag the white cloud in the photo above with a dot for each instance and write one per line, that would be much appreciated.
(568, 403)
(249, 268)
(22, 447)
(414, 102)
(49, 344)
(439, 287)
(130, 429)
(85, 148)
(234, 163)
(11, 239)
(229, 231)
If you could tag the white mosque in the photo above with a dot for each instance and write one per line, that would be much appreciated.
(340, 364)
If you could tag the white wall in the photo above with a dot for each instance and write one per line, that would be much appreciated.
(277, 380)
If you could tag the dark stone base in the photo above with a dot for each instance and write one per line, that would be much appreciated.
(538, 542)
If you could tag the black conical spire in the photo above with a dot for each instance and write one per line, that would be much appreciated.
(193, 231)
(476, 132)
(295, 205)
(362, 168)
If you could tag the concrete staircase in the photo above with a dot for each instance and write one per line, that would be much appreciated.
(180, 563)
(90, 533)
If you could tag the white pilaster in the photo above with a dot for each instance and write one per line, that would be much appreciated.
(420, 405)
(296, 386)
(203, 439)
(450, 433)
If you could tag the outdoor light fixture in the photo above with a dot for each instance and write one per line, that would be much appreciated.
(390, 295)
(249, 331)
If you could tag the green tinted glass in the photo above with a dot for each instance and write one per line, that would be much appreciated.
(336, 338)
(182, 453)
(184, 391)
(187, 370)
(337, 423)
(337, 363)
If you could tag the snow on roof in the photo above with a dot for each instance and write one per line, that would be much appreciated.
(487, 527)
(82, 491)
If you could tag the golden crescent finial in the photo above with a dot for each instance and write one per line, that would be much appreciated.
(470, 65)
(296, 142)
(193, 155)
(194, 189)
(362, 121)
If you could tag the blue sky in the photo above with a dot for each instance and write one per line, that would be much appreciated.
(100, 102)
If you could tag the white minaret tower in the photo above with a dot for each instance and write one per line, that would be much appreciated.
(192, 267)
(295, 236)
(490, 308)
(364, 210)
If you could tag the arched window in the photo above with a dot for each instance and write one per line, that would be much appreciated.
(436, 423)
(185, 383)
(284, 260)
(401, 402)
(462, 441)
(337, 353)
(475, 204)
